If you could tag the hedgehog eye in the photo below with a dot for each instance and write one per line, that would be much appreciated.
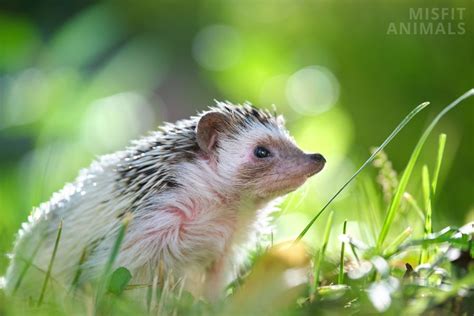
(261, 152)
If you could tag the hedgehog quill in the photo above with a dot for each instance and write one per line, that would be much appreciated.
(196, 191)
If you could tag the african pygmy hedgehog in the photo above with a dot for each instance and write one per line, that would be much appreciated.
(195, 190)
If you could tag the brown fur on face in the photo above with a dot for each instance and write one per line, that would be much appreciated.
(287, 168)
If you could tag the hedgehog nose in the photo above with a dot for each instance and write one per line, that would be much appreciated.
(317, 158)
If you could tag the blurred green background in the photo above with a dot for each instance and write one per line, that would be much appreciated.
(81, 78)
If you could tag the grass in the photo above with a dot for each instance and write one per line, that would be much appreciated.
(366, 163)
(395, 204)
(107, 273)
(320, 258)
(340, 278)
(50, 265)
(420, 271)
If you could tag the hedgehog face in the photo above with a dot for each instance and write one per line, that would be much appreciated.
(270, 164)
(257, 157)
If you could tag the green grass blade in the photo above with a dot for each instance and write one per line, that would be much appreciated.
(367, 162)
(439, 160)
(340, 277)
(425, 183)
(393, 247)
(77, 275)
(50, 265)
(428, 192)
(104, 283)
(354, 252)
(394, 205)
(411, 200)
(322, 251)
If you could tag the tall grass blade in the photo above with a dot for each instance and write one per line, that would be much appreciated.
(340, 277)
(395, 203)
(425, 183)
(104, 282)
(429, 196)
(411, 200)
(354, 252)
(367, 162)
(322, 251)
(393, 247)
(77, 275)
(439, 160)
(50, 265)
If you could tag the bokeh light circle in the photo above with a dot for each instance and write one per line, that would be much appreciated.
(312, 90)
(217, 47)
(111, 122)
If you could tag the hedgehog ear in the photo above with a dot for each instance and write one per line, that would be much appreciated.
(207, 130)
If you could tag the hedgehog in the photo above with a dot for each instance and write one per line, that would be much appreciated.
(196, 193)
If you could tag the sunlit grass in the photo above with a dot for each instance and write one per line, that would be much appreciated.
(322, 252)
(340, 278)
(395, 204)
(364, 165)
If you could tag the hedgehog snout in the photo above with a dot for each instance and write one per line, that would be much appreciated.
(316, 163)
(317, 157)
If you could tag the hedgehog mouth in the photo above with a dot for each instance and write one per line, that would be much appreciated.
(286, 183)
(315, 171)
(289, 184)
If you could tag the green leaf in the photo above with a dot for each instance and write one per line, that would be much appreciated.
(119, 280)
